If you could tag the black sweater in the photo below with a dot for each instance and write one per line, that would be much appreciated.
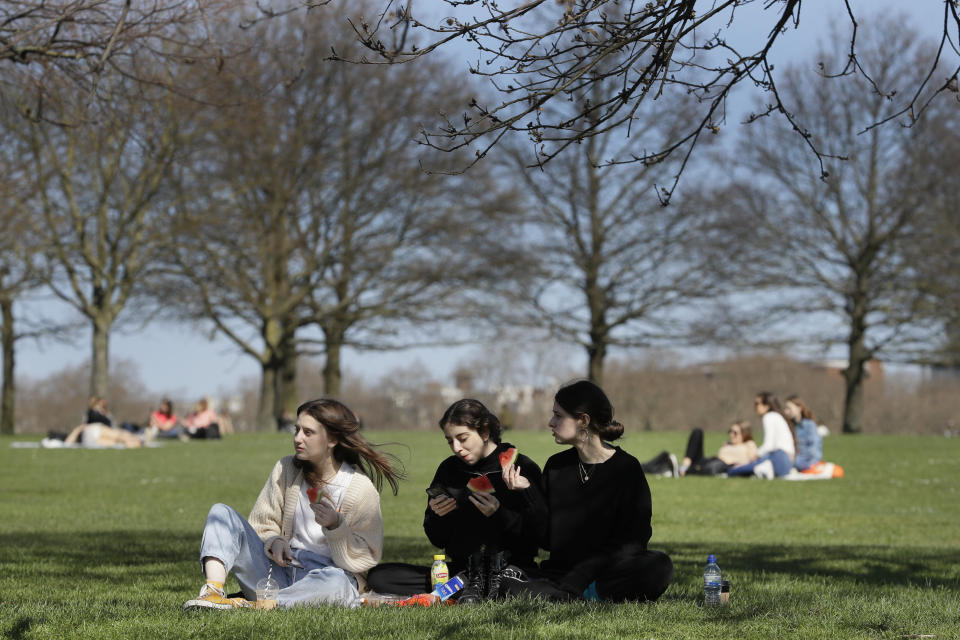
(592, 524)
(464, 530)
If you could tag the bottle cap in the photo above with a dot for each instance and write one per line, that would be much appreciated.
(439, 556)
(711, 558)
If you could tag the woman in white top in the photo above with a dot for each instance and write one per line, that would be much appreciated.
(779, 443)
(316, 527)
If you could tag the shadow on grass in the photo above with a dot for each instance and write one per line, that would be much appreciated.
(159, 557)
(153, 552)
(20, 628)
(874, 565)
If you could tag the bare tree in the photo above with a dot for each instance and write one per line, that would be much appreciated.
(936, 252)
(98, 207)
(836, 242)
(616, 266)
(308, 207)
(539, 52)
(84, 38)
(17, 274)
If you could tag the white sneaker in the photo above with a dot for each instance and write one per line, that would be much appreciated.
(213, 598)
(764, 470)
(674, 466)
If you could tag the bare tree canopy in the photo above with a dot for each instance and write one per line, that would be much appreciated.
(540, 52)
(837, 240)
(90, 35)
(96, 196)
(307, 207)
(615, 266)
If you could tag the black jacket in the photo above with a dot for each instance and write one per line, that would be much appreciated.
(512, 527)
(593, 523)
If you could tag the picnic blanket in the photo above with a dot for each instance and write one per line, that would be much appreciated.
(819, 471)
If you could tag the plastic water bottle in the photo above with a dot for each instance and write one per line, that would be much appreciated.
(439, 572)
(711, 583)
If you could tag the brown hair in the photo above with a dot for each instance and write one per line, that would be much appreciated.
(584, 398)
(745, 431)
(804, 412)
(343, 424)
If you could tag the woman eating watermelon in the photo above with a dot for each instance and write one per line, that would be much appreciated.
(316, 527)
(471, 514)
(599, 510)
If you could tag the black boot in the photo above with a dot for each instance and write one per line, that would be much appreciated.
(496, 563)
(474, 588)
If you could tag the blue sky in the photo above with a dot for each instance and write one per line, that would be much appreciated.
(180, 360)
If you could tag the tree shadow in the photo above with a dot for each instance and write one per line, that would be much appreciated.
(870, 564)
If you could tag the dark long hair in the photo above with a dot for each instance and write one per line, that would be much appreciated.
(343, 424)
(769, 399)
(584, 398)
(473, 415)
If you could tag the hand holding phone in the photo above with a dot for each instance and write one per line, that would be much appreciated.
(441, 502)
(436, 491)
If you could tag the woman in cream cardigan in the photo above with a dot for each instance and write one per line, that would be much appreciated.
(321, 549)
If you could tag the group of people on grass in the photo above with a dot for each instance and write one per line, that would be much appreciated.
(316, 527)
(791, 441)
(99, 431)
(317, 530)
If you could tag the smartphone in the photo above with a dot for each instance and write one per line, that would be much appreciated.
(437, 491)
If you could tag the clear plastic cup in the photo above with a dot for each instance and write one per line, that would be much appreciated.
(267, 590)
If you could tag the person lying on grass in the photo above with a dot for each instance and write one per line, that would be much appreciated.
(599, 510)
(472, 515)
(96, 435)
(316, 527)
(738, 449)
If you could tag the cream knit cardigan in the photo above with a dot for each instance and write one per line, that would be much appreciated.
(356, 545)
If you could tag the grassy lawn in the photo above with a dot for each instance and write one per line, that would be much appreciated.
(98, 544)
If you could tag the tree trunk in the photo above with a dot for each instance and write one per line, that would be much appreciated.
(854, 374)
(596, 352)
(266, 410)
(7, 339)
(287, 382)
(853, 399)
(100, 372)
(331, 367)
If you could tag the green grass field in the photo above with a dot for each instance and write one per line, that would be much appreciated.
(104, 543)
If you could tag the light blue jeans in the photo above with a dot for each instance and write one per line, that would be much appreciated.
(228, 537)
(779, 458)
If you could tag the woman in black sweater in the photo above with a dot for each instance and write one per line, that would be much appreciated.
(599, 509)
(480, 531)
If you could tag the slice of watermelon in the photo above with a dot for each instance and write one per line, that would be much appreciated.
(481, 484)
(508, 457)
(315, 493)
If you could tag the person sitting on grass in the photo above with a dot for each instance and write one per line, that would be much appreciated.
(202, 422)
(737, 450)
(163, 421)
(809, 441)
(598, 510)
(316, 527)
(478, 531)
(97, 412)
(779, 443)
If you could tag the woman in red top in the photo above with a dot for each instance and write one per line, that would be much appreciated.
(163, 421)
